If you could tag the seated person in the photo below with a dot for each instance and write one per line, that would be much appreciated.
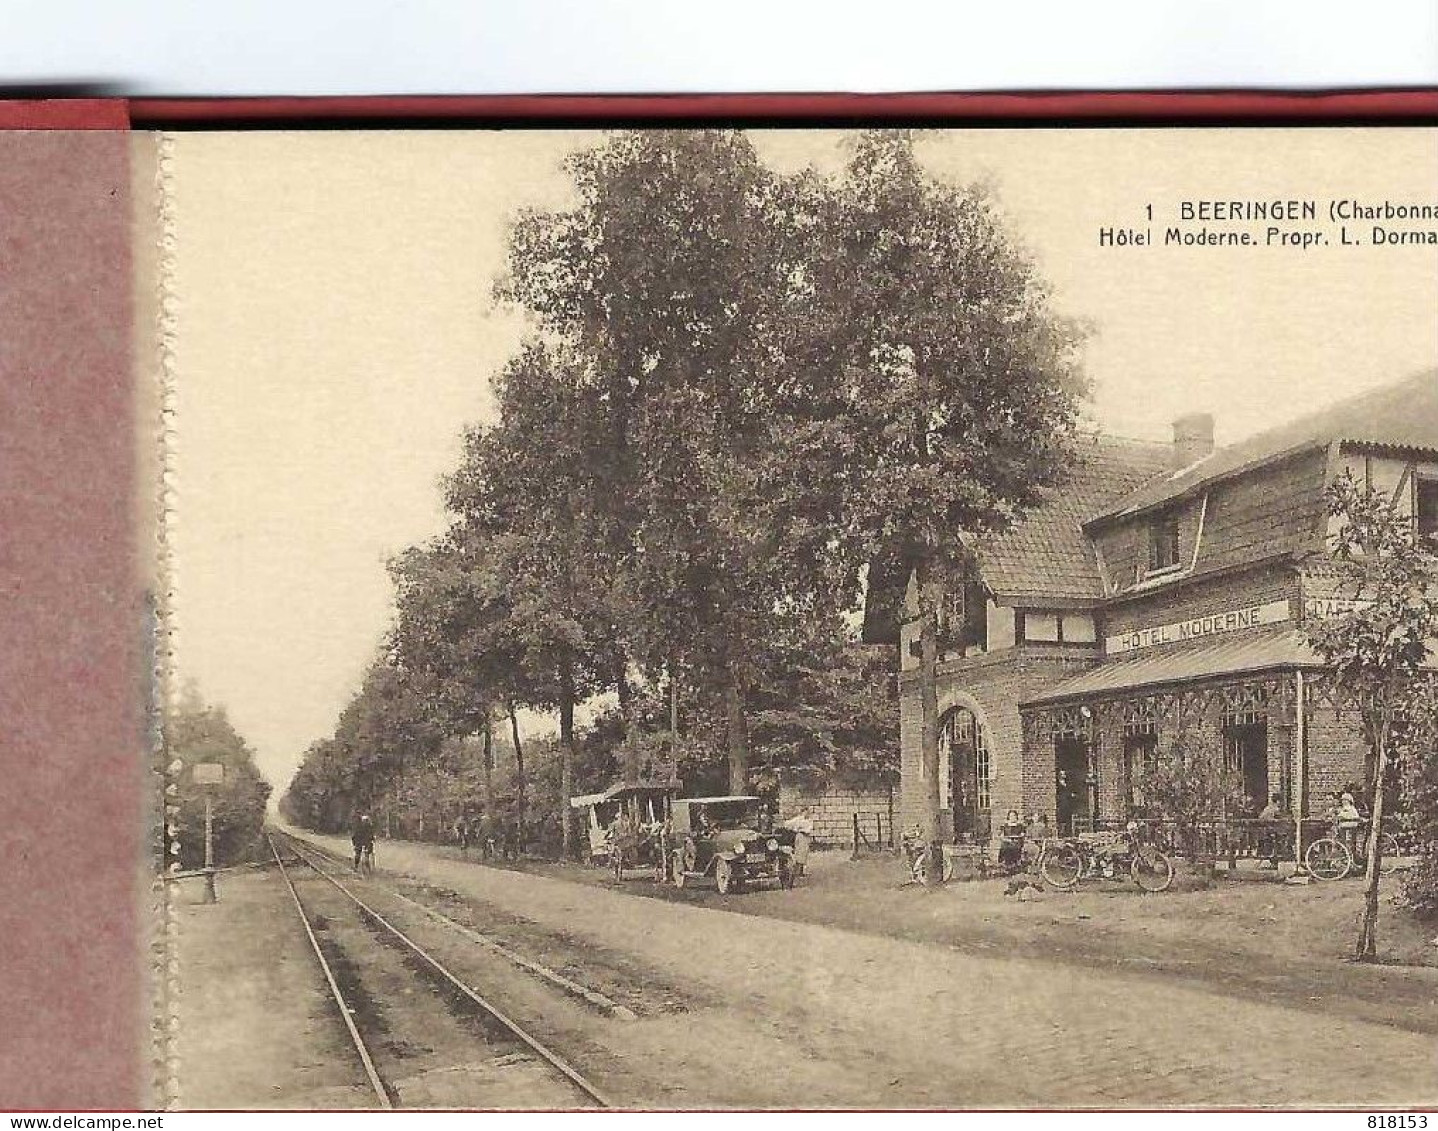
(1347, 820)
(1011, 841)
(1035, 835)
(1267, 838)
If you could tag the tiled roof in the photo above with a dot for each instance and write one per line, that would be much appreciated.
(1258, 650)
(1047, 554)
(1401, 415)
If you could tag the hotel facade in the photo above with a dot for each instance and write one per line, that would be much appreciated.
(1160, 596)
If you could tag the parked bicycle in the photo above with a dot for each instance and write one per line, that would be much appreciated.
(1331, 857)
(916, 852)
(1063, 863)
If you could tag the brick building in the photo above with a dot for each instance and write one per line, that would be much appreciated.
(1160, 593)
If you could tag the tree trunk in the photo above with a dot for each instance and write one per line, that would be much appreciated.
(930, 595)
(488, 824)
(566, 761)
(630, 767)
(674, 718)
(520, 784)
(1365, 947)
(737, 729)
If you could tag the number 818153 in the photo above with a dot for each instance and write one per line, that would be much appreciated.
(1398, 1122)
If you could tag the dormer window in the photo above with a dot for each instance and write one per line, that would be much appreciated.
(1163, 543)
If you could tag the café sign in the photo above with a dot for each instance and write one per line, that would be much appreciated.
(1321, 608)
(1217, 623)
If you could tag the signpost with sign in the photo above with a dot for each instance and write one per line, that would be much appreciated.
(209, 774)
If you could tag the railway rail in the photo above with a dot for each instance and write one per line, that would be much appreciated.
(587, 994)
(387, 1094)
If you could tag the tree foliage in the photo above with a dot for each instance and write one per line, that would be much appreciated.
(954, 386)
(1377, 649)
(1190, 785)
(674, 277)
(196, 732)
(740, 387)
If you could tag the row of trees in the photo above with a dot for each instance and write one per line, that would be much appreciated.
(740, 388)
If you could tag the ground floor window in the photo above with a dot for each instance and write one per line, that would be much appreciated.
(1140, 759)
(966, 769)
(1245, 749)
(1075, 789)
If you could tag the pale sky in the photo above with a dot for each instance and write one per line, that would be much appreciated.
(335, 332)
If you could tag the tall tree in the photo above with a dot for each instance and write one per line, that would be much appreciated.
(454, 628)
(673, 279)
(1377, 649)
(950, 386)
(531, 494)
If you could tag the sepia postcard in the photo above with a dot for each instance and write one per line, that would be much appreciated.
(831, 618)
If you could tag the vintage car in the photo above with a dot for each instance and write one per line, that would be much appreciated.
(730, 839)
(634, 841)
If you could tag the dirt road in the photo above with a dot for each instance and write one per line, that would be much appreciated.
(749, 1011)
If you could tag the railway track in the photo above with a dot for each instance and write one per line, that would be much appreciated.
(441, 1044)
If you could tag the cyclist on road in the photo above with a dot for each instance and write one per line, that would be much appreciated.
(363, 840)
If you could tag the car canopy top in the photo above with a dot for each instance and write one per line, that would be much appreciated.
(622, 789)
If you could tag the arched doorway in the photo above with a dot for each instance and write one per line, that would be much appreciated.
(965, 765)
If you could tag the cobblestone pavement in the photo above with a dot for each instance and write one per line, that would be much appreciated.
(935, 1027)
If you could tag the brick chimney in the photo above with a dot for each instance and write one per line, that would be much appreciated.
(1192, 438)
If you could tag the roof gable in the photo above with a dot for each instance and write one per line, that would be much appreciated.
(1401, 415)
(1046, 554)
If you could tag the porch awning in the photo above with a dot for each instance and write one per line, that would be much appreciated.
(1235, 655)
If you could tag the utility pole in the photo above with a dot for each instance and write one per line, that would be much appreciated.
(207, 775)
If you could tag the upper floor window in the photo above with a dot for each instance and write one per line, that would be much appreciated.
(1426, 506)
(1163, 542)
(964, 619)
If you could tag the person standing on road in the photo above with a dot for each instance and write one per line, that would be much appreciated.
(802, 826)
(486, 836)
(1268, 838)
(363, 840)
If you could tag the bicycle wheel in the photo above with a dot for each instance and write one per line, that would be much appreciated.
(1062, 866)
(919, 869)
(1151, 870)
(1328, 859)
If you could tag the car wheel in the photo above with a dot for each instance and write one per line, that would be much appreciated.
(724, 876)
